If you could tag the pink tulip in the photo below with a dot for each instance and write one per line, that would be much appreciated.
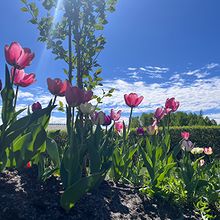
(56, 86)
(21, 78)
(115, 116)
(107, 120)
(208, 150)
(87, 96)
(185, 135)
(132, 100)
(159, 113)
(119, 126)
(140, 131)
(74, 95)
(171, 105)
(17, 56)
(36, 106)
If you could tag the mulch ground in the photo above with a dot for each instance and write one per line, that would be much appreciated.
(22, 196)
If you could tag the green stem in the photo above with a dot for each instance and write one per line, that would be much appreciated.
(55, 97)
(129, 124)
(16, 97)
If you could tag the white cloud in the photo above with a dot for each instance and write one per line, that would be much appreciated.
(212, 65)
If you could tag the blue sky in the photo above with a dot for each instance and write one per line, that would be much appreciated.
(154, 47)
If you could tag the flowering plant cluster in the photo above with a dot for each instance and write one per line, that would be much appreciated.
(22, 138)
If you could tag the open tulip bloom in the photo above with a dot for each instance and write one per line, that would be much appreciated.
(17, 56)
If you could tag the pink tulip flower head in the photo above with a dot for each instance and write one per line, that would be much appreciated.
(74, 95)
(185, 135)
(107, 120)
(36, 106)
(56, 86)
(133, 100)
(159, 113)
(171, 105)
(17, 56)
(87, 96)
(20, 78)
(98, 118)
(140, 131)
(115, 116)
(119, 126)
(208, 150)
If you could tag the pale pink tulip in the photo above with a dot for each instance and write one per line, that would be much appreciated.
(20, 78)
(115, 116)
(17, 56)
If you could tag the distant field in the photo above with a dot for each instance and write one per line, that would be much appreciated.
(56, 127)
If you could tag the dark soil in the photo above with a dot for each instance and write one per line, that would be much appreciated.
(23, 197)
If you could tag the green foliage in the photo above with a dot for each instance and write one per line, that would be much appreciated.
(176, 119)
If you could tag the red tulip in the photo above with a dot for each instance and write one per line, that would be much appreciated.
(28, 165)
(74, 95)
(119, 126)
(132, 100)
(21, 78)
(56, 86)
(171, 105)
(36, 106)
(185, 135)
(159, 113)
(17, 56)
(115, 116)
(208, 150)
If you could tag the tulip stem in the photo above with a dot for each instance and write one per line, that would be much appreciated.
(13, 76)
(54, 100)
(129, 124)
(16, 97)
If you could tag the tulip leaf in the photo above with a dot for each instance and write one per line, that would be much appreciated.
(73, 193)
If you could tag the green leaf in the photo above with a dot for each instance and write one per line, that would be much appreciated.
(52, 151)
(24, 9)
(73, 193)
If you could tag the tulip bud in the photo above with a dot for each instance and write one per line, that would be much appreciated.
(119, 126)
(201, 162)
(87, 108)
(159, 113)
(28, 165)
(107, 120)
(185, 135)
(140, 131)
(36, 106)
